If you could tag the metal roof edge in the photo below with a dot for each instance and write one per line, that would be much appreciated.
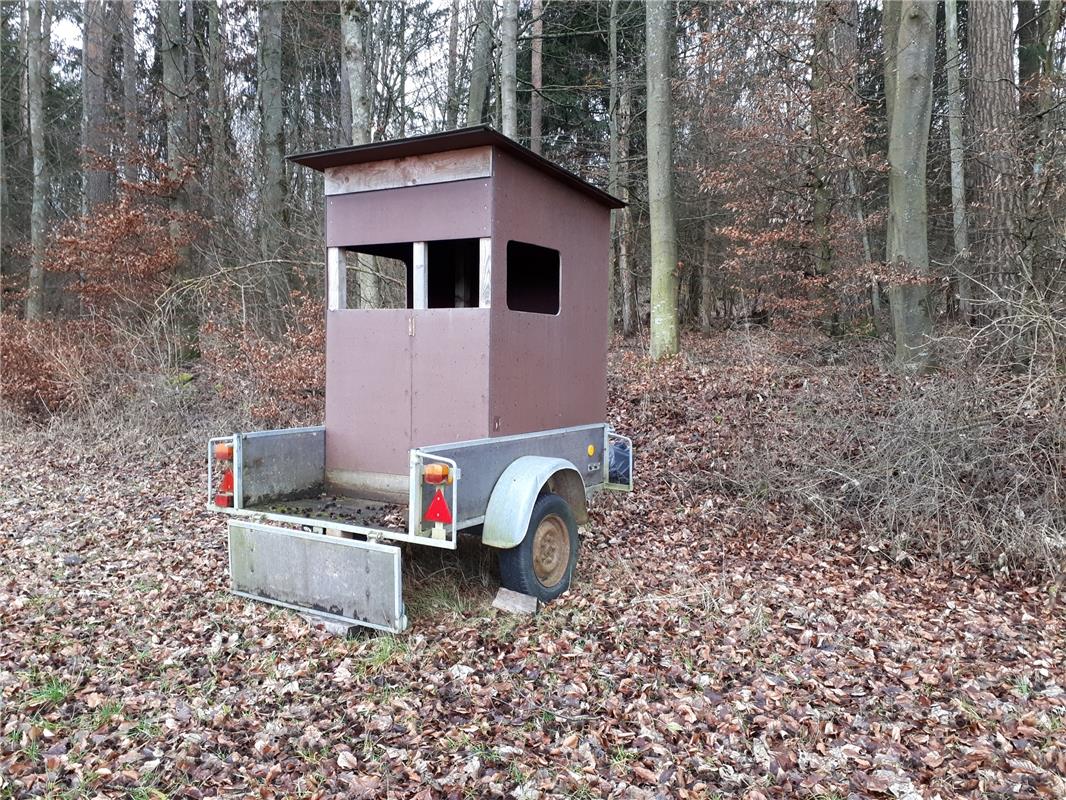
(457, 139)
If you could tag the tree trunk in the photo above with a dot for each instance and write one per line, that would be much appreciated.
(660, 36)
(625, 271)
(481, 65)
(707, 299)
(995, 169)
(824, 20)
(536, 101)
(175, 108)
(957, 145)
(129, 89)
(37, 47)
(95, 58)
(171, 53)
(908, 244)
(451, 114)
(354, 17)
(23, 152)
(345, 113)
(216, 76)
(508, 67)
(612, 159)
(890, 22)
(192, 111)
(273, 221)
(1029, 61)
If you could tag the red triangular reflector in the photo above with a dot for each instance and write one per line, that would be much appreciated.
(438, 509)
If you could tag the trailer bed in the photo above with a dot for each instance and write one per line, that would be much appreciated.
(343, 509)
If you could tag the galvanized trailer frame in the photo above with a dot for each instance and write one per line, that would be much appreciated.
(494, 484)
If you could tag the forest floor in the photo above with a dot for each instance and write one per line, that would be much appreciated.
(704, 650)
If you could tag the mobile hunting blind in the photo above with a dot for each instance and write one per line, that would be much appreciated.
(475, 397)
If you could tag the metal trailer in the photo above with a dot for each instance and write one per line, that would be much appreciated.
(473, 401)
(293, 545)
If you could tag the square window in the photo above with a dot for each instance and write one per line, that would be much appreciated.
(532, 278)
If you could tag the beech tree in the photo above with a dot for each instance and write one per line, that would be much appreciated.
(908, 242)
(664, 323)
(481, 68)
(95, 64)
(508, 67)
(274, 218)
(960, 231)
(36, 68)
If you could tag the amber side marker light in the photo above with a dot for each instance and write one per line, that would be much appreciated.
(435, 473)
(223, 451)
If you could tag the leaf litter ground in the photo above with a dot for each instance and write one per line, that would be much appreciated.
(705, 650)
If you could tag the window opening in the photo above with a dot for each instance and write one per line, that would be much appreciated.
(447, 273)
(452, 270)
(532, 278)
(378, 276)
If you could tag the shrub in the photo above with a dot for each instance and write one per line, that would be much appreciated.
(50, 366)
(278, 380)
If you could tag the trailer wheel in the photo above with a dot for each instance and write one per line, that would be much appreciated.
(542, 565)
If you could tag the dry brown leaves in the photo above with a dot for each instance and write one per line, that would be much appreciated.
(698, 655)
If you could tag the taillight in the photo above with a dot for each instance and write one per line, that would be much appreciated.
(224, 495)
(435, 473)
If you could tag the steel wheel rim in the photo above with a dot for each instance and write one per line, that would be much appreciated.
(551, 550)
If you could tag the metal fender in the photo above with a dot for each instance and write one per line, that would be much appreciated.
(511, 503)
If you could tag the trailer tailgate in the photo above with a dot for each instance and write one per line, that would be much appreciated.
(346, 580)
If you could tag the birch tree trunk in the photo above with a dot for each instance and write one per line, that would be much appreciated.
(958, 179)
(908, 243)
(508, 67)
(536, 70)
(664, 324)
(129, 88)
(451, 114)
(96, 183)
(481, 65)
(37, 46)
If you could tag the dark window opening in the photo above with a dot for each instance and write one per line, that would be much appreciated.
(452, 271)
(378, 275)
(532, 278)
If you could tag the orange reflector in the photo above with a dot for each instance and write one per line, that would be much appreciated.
(438, 510)
(435, 473)
(223, 451)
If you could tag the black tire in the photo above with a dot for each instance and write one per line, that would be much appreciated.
(533, 566)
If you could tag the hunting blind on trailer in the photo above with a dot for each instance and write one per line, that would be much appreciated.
(466, 382)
